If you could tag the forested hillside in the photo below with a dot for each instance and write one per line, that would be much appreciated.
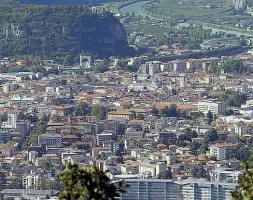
(59, 2)
(62, 2)
(59, 31)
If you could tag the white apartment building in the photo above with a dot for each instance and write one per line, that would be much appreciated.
(154, 189)
(221, 150)
(244, 88)
(153, 169)
(31, 181)
(11, 120)
(9, 87)
(214, 106)
(32, 156)
(242, 129)
(224, 175)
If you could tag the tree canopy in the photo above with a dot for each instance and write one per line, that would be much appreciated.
(88, 183)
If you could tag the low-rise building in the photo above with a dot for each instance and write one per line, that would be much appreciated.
(49, 139)
(211, 105)
(121, 114)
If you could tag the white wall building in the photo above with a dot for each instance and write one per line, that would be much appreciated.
(11, 120)
(154, 189)
(221, 150)
(9, 87)
(31, 181)
(214, 106)
(152, 169)
(224, 175)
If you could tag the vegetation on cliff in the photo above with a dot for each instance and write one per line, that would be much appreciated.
(60, 32)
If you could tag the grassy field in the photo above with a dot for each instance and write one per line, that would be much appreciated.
(173, 8)
(147, 29)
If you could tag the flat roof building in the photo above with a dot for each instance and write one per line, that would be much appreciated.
(164, 189)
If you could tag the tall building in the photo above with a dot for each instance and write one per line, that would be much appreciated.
(211, 105)
(154, 189)
(31, 181)
(11, 120)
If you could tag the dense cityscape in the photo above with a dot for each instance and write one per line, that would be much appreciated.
(156, 99)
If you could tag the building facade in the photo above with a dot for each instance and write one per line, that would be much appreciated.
(153, 189)
(222, 150)
(49, 139)
(210, 105)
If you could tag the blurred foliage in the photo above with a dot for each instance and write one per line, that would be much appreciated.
(245, 191)
(88, 183)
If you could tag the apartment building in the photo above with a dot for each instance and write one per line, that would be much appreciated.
(9, 87)
(211, 105)
(121, 114)
(31, 181)
(224, 175)
(131, 134)
(11, 120)
(49, 139)
(152, 169)
(153, 189)
(167, 136)
(5, 136)
(222, 150)
(104, 137)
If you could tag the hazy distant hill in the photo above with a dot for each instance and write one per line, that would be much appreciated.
(59, 31)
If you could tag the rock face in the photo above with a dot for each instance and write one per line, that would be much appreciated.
(51, 31)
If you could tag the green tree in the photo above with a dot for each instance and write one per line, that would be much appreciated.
(99, 112)
(210, 117)
(39, 128)
(211, 135)
(38, 69)
(245, 183)
(198, 172)
(81, 109)
(173, 111)
(169, 112)
(166, 174)
(88, 183)
(140, 116)
(15, 183)
(46, 184)
(3, 180)
(164, 111)
(101, 67)
(154, 111)
(203, 148)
